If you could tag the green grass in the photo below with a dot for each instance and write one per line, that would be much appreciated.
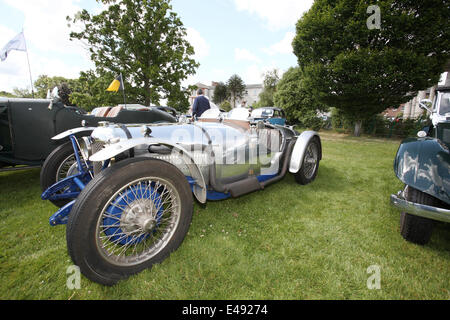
(286, 242)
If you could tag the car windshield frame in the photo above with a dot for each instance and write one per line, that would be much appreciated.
(262, 113)
(444, 103)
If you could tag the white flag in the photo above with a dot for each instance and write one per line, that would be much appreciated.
(18, 43)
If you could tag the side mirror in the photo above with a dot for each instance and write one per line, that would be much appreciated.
(424, 104)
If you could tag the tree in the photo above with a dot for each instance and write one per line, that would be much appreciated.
(142, 39)
(220, 93)
(90, 91)
(271, 79)
(45, 83)
(236, 89)
(362, 70)
(179, 99)
(7, 94)
(22, 93)
(225, 105)
(296, 99)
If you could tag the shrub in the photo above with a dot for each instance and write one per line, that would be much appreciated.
(226, 105)
(380, 126)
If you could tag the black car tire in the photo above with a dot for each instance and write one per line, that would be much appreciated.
(413, 228)
(48, 176)
(306, 174)
(86, 219)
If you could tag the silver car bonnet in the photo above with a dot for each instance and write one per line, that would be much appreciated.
(191, 136)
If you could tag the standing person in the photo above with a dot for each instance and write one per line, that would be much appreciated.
(201, 104)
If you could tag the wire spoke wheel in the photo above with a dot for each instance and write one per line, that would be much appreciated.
(138, 221)
(310, 165)
(129, 217)
(67, 168)
(311, 160)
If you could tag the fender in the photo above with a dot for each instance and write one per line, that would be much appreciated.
(298, 152)
(424, 164)
(70, 132)
(200, 190)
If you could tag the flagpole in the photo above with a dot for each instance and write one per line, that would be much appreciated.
(123, 90)
(29, 67)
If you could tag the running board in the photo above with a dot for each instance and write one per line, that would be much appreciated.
(19, 168)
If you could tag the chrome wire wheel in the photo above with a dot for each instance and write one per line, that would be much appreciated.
(138, 221)
(67, 168)
(310, 161)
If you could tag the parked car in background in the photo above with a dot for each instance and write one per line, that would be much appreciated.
(423, 165)
(130, 203)
(27, 126)
(172, 111)
(270, 114)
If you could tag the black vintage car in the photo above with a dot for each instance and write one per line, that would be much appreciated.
(28, 125)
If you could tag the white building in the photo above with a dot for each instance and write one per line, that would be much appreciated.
(411, 109)
(251, 96)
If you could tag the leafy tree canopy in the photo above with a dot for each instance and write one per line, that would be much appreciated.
(90, 91)
(270, 82)
(142, 39)
(362, 71)
(7, 94)
(297, 100)
(45, 83)
(179, 99)
(220, 93)
(236, 89)
(22, 93)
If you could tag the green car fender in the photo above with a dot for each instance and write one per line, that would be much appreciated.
(424, 164)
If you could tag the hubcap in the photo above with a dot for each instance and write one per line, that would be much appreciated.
(138, 216)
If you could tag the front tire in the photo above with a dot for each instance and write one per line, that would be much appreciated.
(129, 217)
(414, 228)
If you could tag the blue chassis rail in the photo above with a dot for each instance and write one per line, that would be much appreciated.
(68, 188)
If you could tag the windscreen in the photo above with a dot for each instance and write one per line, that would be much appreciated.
(445, 104)
(262, 113)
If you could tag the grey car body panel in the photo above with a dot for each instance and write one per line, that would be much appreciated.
(424, 164)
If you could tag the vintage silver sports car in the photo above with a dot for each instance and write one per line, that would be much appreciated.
(131, 195)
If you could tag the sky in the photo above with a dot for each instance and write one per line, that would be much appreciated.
(243, 37)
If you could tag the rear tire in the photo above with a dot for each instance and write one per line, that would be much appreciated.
(56, 167)
(413, 228)
(310, 165)
(129, 217)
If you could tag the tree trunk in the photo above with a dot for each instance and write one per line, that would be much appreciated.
(358, 127)
(148, 100)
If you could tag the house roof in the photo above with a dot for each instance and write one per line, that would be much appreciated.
(202, 85)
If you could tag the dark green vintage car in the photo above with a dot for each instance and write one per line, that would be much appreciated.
(28, 125)
(423, 165)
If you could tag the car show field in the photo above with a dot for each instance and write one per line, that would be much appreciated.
(321, 241)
